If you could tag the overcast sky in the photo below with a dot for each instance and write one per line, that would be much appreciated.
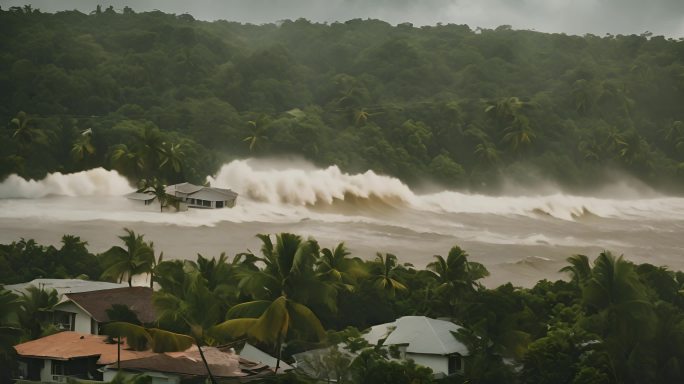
(662, 17)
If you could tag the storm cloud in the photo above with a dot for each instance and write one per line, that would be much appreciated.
(661, 17)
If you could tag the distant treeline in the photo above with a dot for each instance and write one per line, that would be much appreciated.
(611, 322)
(155, 94)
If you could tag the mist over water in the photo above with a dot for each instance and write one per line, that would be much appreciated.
(520, 238)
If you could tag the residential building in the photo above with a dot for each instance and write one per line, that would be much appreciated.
(197, 196)
(85, 312)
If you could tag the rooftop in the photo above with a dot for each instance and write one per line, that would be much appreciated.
(189, 363)
(420, 334)
(63, 286)
(71, 345)
(96, 303)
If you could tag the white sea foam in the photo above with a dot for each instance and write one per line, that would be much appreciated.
(281, 192)
(94, 182)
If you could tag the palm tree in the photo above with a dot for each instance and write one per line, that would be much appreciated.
(172, 156)
(457, 274)
(157, 189)
(487, 153)
(618, 299)
(126, 160)
(334, 266)
(136, 258)
(280, 292)
(36, 306)
(519, 134)
(579, 269)
(10, 332)
(258, 132)
(383, 271)
(24, 130)
(82, 147)
(193, 311)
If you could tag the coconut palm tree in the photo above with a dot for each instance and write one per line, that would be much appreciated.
(82, 147)
(334, 266)
(257, 135)
(172, 156)
(383, 274)
(10, 332)
(579, 269)
(280, 291)
(136, 258)
(36, 307)
(456, 274)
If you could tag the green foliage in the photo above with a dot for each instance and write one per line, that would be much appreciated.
(171, 97)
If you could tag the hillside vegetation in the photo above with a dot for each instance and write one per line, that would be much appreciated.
(155, 94)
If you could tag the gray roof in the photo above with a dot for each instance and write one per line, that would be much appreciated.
(212, 194)
(202, 193)
(140, 196)
(420, 334)
(185, 188)
(63, 286)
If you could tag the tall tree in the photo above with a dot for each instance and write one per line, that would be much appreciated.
(136, 257)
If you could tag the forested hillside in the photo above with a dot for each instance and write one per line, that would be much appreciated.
(154, 94)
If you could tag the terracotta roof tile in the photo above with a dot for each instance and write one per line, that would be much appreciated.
(71, 345)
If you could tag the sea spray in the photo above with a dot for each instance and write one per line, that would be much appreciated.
(93, 182)
(308, 186)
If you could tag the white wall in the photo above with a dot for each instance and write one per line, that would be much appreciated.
(82, 322)
(438, 364)
(46, 372)
(157, 378)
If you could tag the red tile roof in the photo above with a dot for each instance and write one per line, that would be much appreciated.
(96, 303)
(72, 345)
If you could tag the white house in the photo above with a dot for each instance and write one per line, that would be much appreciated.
(198, 196)
(428, 342)
(85, 312)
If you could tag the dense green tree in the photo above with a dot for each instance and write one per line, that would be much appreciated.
(136, 258)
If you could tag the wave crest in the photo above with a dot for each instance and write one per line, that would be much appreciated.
(93, 182)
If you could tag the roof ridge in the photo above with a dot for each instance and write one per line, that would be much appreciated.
(434, 332)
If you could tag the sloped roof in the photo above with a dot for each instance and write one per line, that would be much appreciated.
(96, 303)
(140, 196)
(253, 353)
(71, 345)
(63, 286)
(221, 364)
(214, 194)
(186, 188)
(420, 334)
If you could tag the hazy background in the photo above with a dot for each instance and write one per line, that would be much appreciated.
(661, 17)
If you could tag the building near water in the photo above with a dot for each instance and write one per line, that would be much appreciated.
(197, 196)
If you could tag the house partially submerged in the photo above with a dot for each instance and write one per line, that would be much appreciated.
(86, 312)
(198, 196)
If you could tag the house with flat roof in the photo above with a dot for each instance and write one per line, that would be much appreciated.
(86, 312)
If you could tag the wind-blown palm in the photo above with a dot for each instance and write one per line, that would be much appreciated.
(280, 290)
(383, 274)
(136, 258)
(172, 156)
(579, 269)
(334, 266)
(456, 274)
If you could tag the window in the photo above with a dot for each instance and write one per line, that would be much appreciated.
(219, 204)
(206, 203)
(455, 364)
(57, 367)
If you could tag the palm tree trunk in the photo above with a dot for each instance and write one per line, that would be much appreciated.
(130, 279)
(204, 360)
(118, 353)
